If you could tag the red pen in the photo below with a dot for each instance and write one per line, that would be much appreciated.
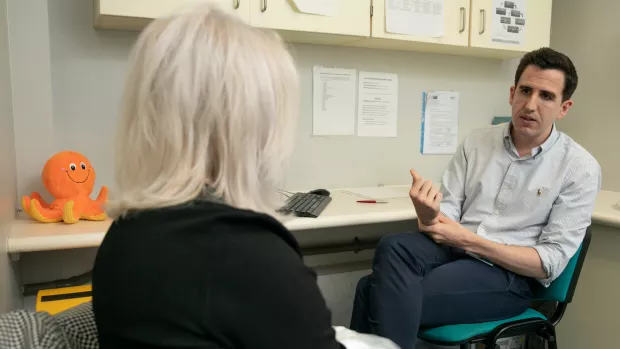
(372, 202)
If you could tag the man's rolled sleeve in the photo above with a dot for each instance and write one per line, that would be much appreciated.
(554, 259)
(570, 216)
(453, 185)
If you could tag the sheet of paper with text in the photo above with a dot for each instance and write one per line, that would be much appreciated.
(377, 105)
(415, 17)
(333, 101)
(440, 122)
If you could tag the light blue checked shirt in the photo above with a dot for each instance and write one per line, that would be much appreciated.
(544, 200)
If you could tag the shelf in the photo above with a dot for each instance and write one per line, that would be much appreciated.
(28, 235)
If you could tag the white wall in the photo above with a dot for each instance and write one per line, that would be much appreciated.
(9, 297)
(587, 32)
(87, 77)
(32, 90)
(357, 161)
(88, 70)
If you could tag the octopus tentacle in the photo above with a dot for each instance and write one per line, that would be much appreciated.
(103, 195)
(70, 213)
(39, 198)
(26, 204)
(42, 214)
(27, 199)
(94, 212)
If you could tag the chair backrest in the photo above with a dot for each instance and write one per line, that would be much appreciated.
(563, 288)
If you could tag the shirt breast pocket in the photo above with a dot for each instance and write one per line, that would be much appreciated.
(538, 200)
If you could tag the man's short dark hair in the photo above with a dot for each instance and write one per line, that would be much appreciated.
(546, 58)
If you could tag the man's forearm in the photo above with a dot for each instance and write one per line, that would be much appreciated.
(521, 260)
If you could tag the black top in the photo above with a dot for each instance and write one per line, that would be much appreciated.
(206, 275)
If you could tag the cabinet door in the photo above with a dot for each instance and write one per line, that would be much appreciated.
(140, 10)
(487, 34)
(455, 27)
(349, 17)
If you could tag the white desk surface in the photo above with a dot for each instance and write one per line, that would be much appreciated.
(30, 236)
(607, 209)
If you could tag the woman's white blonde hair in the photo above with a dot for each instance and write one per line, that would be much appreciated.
(209, 100)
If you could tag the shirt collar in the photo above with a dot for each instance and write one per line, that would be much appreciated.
(547, 144)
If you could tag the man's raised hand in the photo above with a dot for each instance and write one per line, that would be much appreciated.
(426, 199)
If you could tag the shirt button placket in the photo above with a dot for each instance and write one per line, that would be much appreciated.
(504, 192)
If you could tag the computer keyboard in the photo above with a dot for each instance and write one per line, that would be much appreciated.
(306, 205)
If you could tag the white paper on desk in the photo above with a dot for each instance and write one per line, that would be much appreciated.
(333, 107)
(316, 7)
(377, 106)
(378, 193)
(508, 22)
(355, 340)
(415, 17)
(440, 122)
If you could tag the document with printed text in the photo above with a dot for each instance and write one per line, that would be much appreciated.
(415, 17)
(333, 106)
(440, 122)
(377, 105)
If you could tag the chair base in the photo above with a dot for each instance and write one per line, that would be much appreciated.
(538, 327)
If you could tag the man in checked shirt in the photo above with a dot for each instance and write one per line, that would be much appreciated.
(518, 197)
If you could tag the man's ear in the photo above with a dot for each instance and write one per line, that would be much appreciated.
(512, 94)
(566, 105)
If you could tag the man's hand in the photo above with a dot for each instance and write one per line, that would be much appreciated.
(448, 232)
(426, 199)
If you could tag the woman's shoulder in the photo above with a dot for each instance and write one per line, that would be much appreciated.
(204, 220)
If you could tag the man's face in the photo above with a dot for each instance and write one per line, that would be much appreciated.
(537, 102)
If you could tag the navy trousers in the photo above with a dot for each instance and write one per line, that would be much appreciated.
(417, 283)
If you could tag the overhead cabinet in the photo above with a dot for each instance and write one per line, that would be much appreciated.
(492, 18)
(136, 14)
(454, 23)
(486, 28)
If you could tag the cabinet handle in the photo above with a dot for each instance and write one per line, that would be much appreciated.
(236, 4)
(462, 20)
(483, 21)
(263, 7)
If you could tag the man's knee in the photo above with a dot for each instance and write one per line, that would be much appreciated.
(393, 250)
(396, 243)
(406, 251)
(362, 286)
(389, 242)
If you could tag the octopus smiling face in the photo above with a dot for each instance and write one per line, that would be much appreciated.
(68, 174)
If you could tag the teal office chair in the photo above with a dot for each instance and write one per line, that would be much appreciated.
(528, 323)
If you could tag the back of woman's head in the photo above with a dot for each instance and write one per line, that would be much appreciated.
(209, 100)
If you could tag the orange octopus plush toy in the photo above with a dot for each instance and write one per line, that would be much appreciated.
(70, 178)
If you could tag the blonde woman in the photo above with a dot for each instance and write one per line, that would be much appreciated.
(195, 258)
